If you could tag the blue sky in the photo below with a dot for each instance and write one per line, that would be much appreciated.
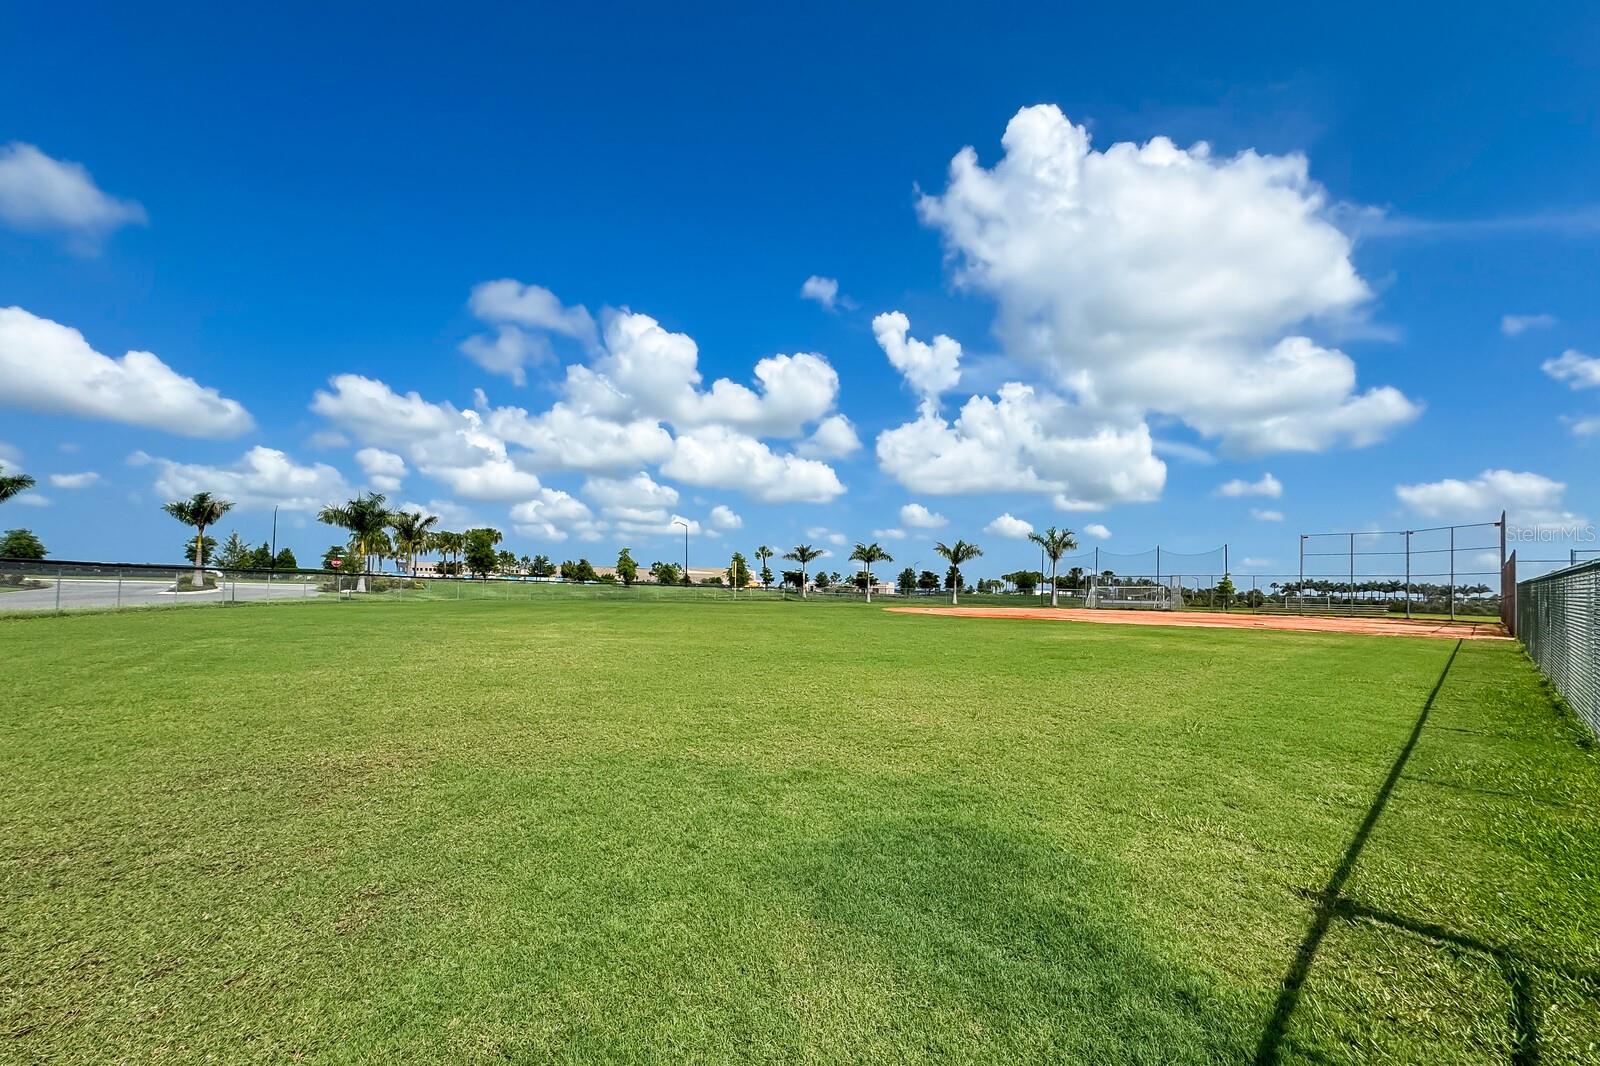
(269, 201)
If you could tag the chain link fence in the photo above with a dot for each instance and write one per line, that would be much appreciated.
(1558, 620)
(51, 586)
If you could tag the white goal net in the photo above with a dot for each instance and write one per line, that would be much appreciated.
(1149, 597)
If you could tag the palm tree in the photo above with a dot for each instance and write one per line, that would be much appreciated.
(764, 553)
(413, 535)
(366, 518)
(803, 554)
(449, 546)
(200, 510)
(1056, 543)
(866, 555)
(11, 484)
(956, 554)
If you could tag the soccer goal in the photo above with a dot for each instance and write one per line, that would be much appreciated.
(1142, 597)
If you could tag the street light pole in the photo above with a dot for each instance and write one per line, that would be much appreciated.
(685, 525)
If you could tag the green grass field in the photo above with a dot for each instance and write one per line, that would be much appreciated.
(623, 830)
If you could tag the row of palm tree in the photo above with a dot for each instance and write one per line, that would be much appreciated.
(957, 554)
(367, 519)
(1054, 542)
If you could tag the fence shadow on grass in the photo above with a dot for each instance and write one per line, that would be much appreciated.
(1270, 1049)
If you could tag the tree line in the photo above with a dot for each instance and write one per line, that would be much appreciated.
(377, 533)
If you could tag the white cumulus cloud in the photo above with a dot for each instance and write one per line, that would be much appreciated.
(1528, 499)
(1025, 441)
(41, 193)
(1097, 531)
(1263, 515)
(639, 497)
(917, 516)
(75, 481)
(834, 438)
(1009, 526)
(522, 317)
(636, 401)
(554, 515)
(722, 517)
(508, 300)
(263, 477)
(45, 366)
(716, 456)
(930, 369)
(1267, 485)
(1575, 368)
(824, 291)
(508, 351)
(383, 469)
(838, 540)
(1154, 278)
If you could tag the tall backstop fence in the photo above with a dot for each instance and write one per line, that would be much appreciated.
(1438, 570)
(1558, 620)
(1158, 578)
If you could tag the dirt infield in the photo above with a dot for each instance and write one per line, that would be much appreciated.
(1372, 627)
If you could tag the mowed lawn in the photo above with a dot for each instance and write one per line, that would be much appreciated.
(662, 831)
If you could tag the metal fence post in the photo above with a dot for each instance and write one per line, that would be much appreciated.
(1453, 574)
(119, 590)
(58, 589)
(1352, 600)
(1408, 573)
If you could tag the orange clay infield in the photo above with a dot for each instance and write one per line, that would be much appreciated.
(1372, 627)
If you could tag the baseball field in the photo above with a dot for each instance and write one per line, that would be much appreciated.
(778, 831)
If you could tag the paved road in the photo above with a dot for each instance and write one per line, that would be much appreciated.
(82, 593)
